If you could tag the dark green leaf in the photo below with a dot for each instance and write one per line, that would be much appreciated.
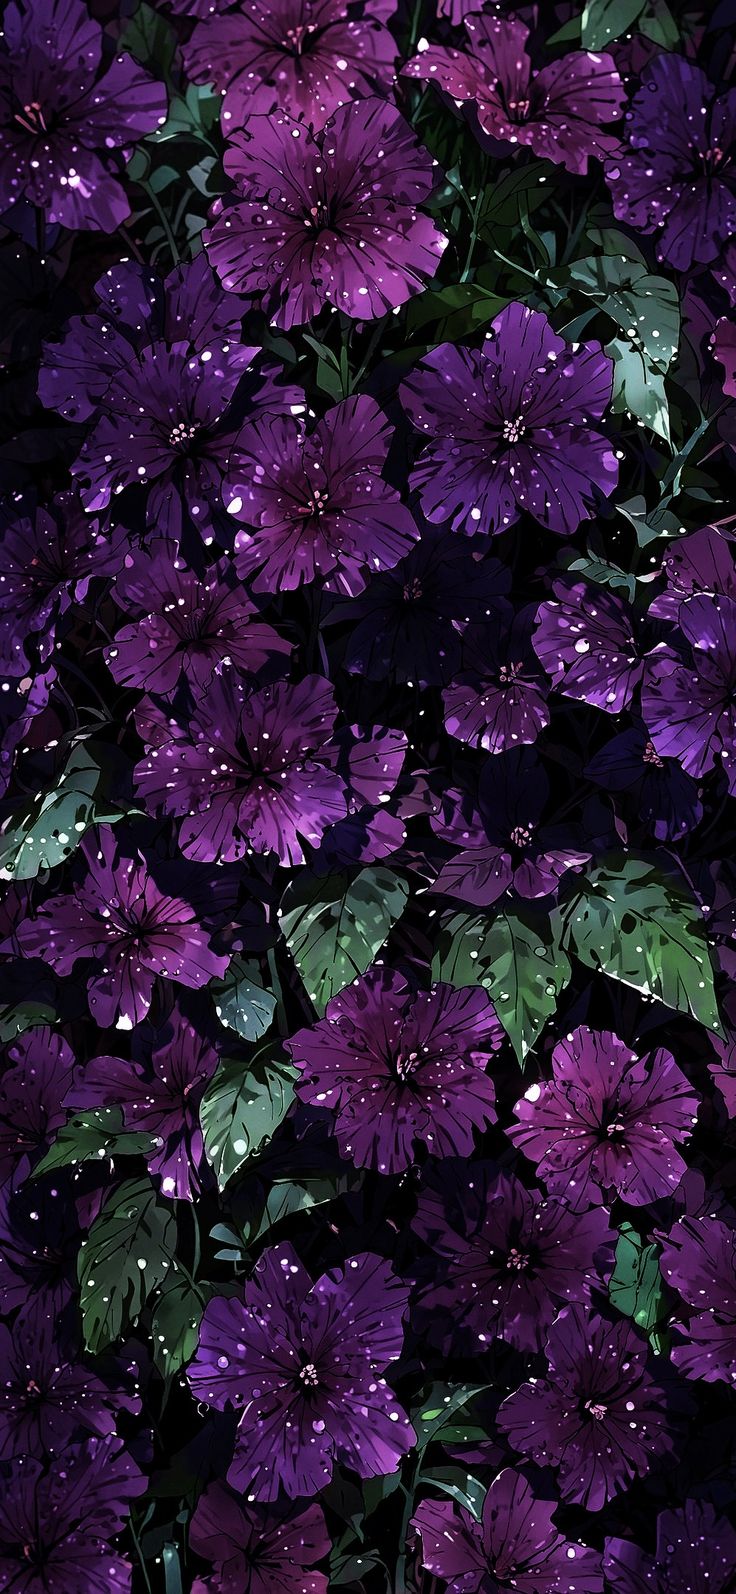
(334, 928)
(520, 964)
(127, 1253)
(432, 1414)
(242, 1108)
(636, 1287)
(606, 20)
(644, 306)
(288, 1196)
(461, 1486)
(94, 1136)
(49, 827)
(27, 1015)
(151, 39)
(638, 390)
(658, 24)
(452, 313)
(192, 115)
(177, 1313)
(241, 1003)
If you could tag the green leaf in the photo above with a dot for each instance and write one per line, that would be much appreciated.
(127, 1253)
(646, 307)
(288, 1196)
(502, 203)
(242, 1108)
(49, 827)
(521, 965)
(334, 928)
(638, 389)
(649, 524)
(453, 312)
(636, 1287)
(606, 20)
(27, 1015)
(658, 24)
(432, 1414)
(241, 1004)
(177, 1314)
(191, 115)
(151, 39)
(640, 927)
(460, 1485)
(95, 1135)
(607, 575)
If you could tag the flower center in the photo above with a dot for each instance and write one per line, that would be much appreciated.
(518, 109)
(31, 118)
(521, 835)
(413, 590)
(517, 1261)
(406, 1066)
(513, 430)
(651, 756)
(308, 1376)
(614, 1130)
(316, 505)
(295, 38)
(182, 434)
(508, 672)
(596, 1409)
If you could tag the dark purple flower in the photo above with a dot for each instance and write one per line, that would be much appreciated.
(317, 504)
(515, 1548)
(398, 1068)
(508, 428)
(723, 344)
(40, 1236)
(117, 916)
(32, 1089)
(502, 845)
(497, 700)
(666, 799)
(327, 218)
(701, 562)
(257, 1551)
(22, 699)
(690, 708)
(161, 1098)
(56, 1524)
(302, 1362)
(408, 623)
(306, 57)
(272, 782)
(64, 122)
(608, 1121)
(598, 1417)
(676, 176)
(557, 113)
(186, 626)
(699, 1260)
(509, 1259)
(370, 761)
(696, 1554)
(48, 561)
(584, 638)
(46, 1399)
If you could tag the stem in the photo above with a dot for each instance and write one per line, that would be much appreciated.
(139, 1553)
(475, 213)
(163, 218)
(282, 1021)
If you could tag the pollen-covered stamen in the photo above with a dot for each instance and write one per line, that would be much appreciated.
(308, 1376)
(517, 1261)
(31, 118)
(406, 1066)
(181, 434)
(412, 590)
(317, 504)
(508, 673)
(513, 430)
(295, 38)
(596, 1409)
(651, 756)
(521, 835)
(615, 1128)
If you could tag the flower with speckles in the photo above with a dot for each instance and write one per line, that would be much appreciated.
(302, 1363)
(39, 1070)
(56, 1522)
(327, 218)
(699, 1260)
(585, 640)
(48, 1398)
(607, 1122)
(398, 1069)
(256, 1549)
(688, 697)
(696, 1554)
(507, 428)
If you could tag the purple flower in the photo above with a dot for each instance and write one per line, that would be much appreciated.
(557, 112)
(40, 1236)
(161, 1098)
(56, 1524)
(32, 1090)
(45, 1399)
(699, 1260)
(317, 504)
(508, 428)
(498, 699)
(515, 1548)
(257, 1551)
(185, 626)
(584, 639)
(396, 1068)
(509, 1259)
(22, 700)
(273, 781)
(689, 708)
(696, 1550)
(676, 174)
(306, 57)
(701, 562)
(302, 1362)
(117, 916)
(608, 1121)
(370, 761)
(598, 1417)
(408, 623)
(48, 561)
(666, 798)
(156, 372)
(502, 846)
(327, 218)
(62, 117)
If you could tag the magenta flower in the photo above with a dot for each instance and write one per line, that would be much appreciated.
(508, 428)
(302, 1363)
(327, 218)
(699, 1260)
(557, 113)
(64, 122)
(317, 504)
(397, 1068)
(259, 1551)
(116, 915)
(306, 57)
(608, 1121)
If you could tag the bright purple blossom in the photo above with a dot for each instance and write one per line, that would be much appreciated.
(32, 1089)
(56, 1524)
(302, 1362)
(607, 1122)
(64, 122)
(584, 639)
(273, 783)
(700, 562)
(306, 57)
(696, 1554)
(515, 1548)
(599, 1417)
(508, 428)
(327, 218)
(259, 1551)
(397, 1068)
(689, 708)
(508, 1258)
(316, 505)
(557, 113)
(676, 175)
(699, 1260)
(48, 560)
(116, 915)
(46, 1399)
(498, 699)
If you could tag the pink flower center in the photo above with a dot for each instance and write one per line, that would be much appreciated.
(412, 590)
(308, 1376)
(31, 118)
(517, 1261)
(651, 756)
(521, 835)
(513, 430)
(596, 1409)
(182, 434)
